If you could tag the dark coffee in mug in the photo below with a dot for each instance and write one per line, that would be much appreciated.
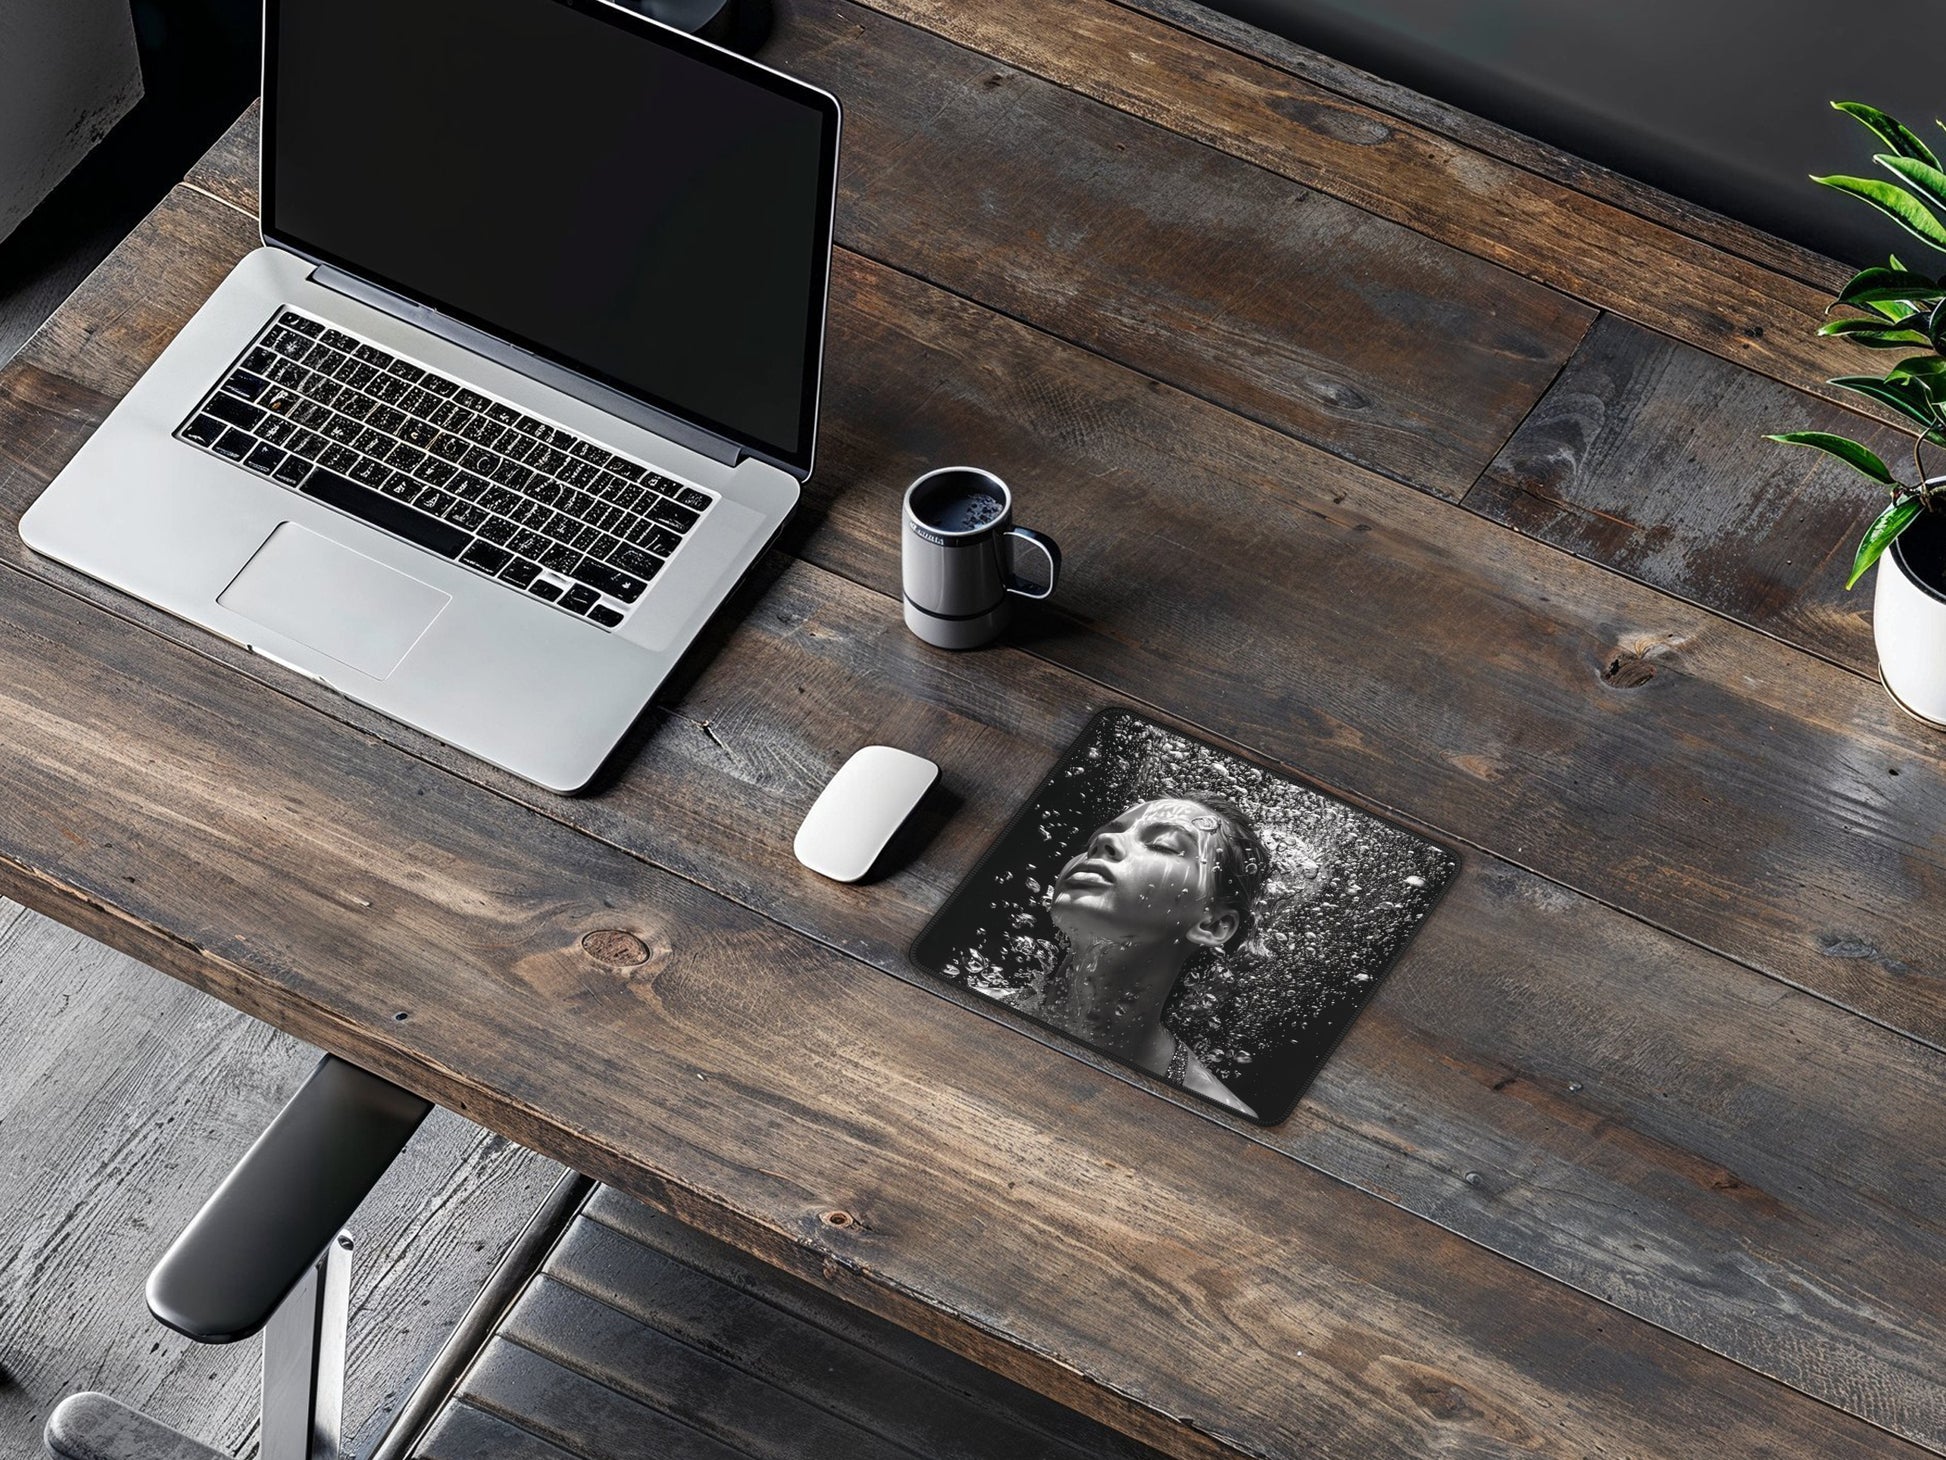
(954, 505)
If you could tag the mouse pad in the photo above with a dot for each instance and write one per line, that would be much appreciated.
(1207, 919)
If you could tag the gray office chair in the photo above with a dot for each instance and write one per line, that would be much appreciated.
(268, 1253)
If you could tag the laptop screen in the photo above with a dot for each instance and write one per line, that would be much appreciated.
(621, 199)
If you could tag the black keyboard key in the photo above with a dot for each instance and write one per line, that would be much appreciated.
(292, 472)
(588, 451)
(478, 459)
(281, 400)
(287, 342)
(546, 459)
(604, 579)
(287, 372)
(530, 544)
(419, 433)
(498, 529)
(450, 415)
(322, 357)
(506, 415)
(499, 499)
(323, 391)
(371, 473)
(578, 599)
(372, 443)
(338, 340)
(602, 614)
(409, 373)
(229, 409)
(449, 447)
(627, 470)
(338, 458)
(486, 557)
(356, 404)
(381, 511)
(563, 560)
(259, 360)
(543, 589)
(386, 419)
(520, 572)
(338, 429)
(309, 328)
(469, 487)
(245, 384)
(585, 536)
(513, 474)
(470, 400)
(310, 413)
(387, 388)
(277, 431)
(559, 525)
(670, 514)
(431, 499)
(580, 473)
(203, 430)
(633, 560)
(438, 385)
(372, 355)
(470, 515)
(405, 457)
(419, 402)
(309, 445)
(658, 540)
(434, 472)
(401, 488)
(265, 459)
(694, 500)
(234, 444)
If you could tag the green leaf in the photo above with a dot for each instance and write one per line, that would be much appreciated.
(1924, 368)
(1887, 286)
(1857, 457)
(1903, 396)
(1892, 132)
(1878, 537)
(1936, 324)
(1876, 334)
(1925, 179)
(1895, 202)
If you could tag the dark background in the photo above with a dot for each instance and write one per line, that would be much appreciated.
(1724, 102)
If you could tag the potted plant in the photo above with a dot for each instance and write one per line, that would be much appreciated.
(1900, 309)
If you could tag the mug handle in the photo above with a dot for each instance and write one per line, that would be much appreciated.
(1048, 548)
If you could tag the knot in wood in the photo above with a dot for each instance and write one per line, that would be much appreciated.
(613, 946)
(1632, 663)
(837, 1219)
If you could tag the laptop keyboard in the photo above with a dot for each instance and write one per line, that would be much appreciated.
(537, 508)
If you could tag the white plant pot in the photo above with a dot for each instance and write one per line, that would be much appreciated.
(1909, 619)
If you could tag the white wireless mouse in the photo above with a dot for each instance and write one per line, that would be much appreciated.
(857, 813)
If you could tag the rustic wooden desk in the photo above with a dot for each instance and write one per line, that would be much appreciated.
(1385, 445)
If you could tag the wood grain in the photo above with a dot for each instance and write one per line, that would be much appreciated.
(1584, 246)
(124, 1098)
(1663, 1039)
(755, 1084)
(1476, 134)
(1647, 456)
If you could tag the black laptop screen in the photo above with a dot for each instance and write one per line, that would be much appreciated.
(618, 198)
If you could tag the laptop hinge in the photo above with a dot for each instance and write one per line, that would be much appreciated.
(569, 382)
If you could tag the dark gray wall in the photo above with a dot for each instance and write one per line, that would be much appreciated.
(1724, 102)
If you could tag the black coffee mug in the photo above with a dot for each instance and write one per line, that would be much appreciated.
(959, 546)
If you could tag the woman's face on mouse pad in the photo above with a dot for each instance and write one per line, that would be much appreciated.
(1208, 920)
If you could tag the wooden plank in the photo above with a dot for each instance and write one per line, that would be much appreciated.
(1186, 263)
(801, 1339)
(1477, 134)
(1646, 457)
(124, 1098)
(581, 1415)
(465, 1433)
(704, 1391)
(1588, 248)
(1531, 663)
(820, 667)
(855, 1130)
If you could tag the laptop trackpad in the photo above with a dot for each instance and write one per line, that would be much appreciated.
(326, 597)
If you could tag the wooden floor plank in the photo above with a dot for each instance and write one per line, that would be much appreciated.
(796, 1337)
(465, 1433)
(124, 1098)
(757, 1418)
(581, 1415)
(786, 1083)
(1647, 457)
(820, 668)
(1585, 247)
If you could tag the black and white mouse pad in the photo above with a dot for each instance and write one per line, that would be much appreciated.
(1188, 912)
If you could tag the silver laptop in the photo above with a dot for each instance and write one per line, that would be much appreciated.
(522, 382)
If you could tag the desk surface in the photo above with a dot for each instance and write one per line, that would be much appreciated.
(1386, 446)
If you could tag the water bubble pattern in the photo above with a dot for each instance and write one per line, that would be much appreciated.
(1344, 893)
